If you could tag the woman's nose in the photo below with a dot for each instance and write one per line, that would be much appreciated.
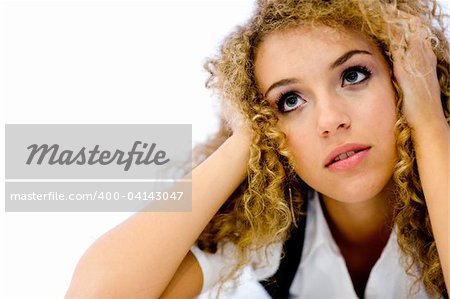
(332, 117)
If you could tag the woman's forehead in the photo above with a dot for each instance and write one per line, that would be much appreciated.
(312, 34)
(310, 47)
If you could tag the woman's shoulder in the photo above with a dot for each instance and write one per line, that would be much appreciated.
(263, 262)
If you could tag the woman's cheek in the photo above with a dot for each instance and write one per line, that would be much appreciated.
(300, 147)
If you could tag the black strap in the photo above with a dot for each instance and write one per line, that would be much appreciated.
(279, 284)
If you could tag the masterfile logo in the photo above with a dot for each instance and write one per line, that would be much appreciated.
(91, 157)
(103, 151)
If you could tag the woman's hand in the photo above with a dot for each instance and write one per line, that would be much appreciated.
(234, 116)
(415, 71)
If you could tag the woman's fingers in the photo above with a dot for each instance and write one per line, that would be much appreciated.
(234, 116)
(415, 71)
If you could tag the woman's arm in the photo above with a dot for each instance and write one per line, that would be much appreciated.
(187, 281)
(139, 257)
(430, 134)
(432, 146)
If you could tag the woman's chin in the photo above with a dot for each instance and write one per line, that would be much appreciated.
(357, 192)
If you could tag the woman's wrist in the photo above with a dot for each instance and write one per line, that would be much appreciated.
(244, 135)
(429, 131)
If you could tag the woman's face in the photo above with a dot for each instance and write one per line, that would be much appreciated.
(336, 105)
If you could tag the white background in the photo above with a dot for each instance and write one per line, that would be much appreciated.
(97, 62)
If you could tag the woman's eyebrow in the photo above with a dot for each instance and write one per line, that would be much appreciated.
(281, 83)
(346, 56)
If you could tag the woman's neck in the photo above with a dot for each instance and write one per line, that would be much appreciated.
(361, 223)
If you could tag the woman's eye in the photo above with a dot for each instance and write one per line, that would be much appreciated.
(355, 75)
(289, 102)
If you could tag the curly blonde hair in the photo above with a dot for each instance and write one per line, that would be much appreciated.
(257, 213)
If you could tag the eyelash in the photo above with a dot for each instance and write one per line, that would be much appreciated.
(359, 69)
(353, 69)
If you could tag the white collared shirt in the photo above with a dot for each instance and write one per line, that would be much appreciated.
(322, 272)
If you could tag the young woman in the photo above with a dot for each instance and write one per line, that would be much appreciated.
(336, 136)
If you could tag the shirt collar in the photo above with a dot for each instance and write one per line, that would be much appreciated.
(317, 232)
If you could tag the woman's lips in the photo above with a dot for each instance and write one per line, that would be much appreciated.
(349, 162)
(339, 152)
